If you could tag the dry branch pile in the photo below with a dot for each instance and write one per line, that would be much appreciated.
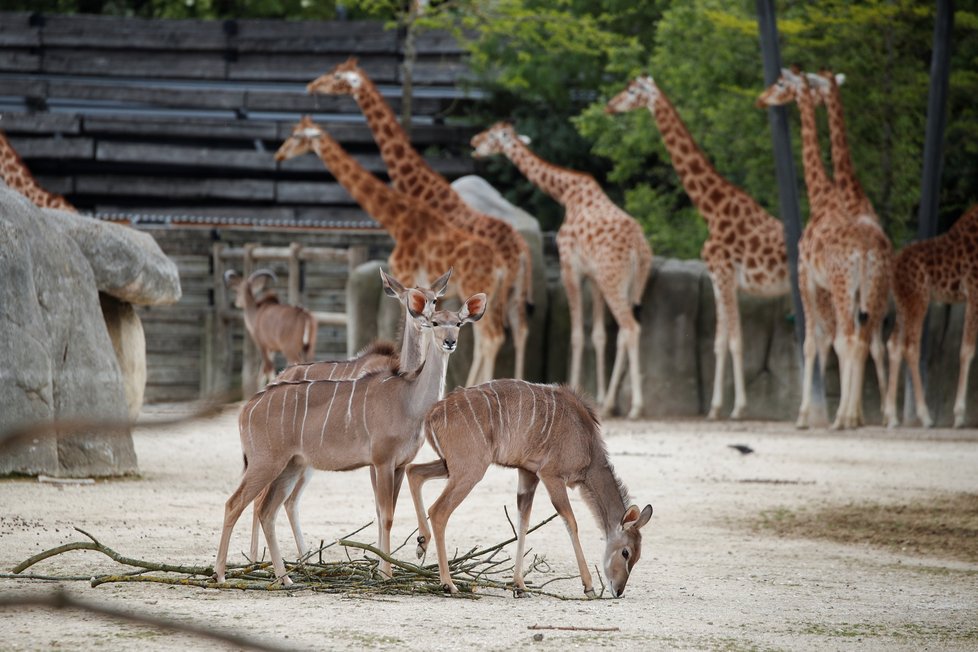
(486, 568)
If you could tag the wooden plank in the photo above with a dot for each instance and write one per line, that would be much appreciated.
(318, 192)
(184, 156)
(312, 164)
(228, 209)
(58, 184)
(148, 95)
(301, 67)
(16, 30)
(40, 123)
(19, 61)
(439, 72)
(322, 37)
(437, 41)
(181, 128)
(23, 87)
(176, 187)
(135, 63)
(56, 148)
(90, 31)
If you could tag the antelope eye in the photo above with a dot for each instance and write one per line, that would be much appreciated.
(459, 324)
(624, 553)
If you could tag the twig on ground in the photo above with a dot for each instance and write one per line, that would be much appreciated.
(571, 628)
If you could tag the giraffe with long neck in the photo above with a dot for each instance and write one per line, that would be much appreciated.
(850, 257)
(413, 176)
(853, 196)
(426, 242)
(16, 175)
(745, 249)
(598, 241)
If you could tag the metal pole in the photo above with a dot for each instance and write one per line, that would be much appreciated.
(787, 187)
(930, 184)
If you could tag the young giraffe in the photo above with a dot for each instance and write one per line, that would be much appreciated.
(854, 199)
(944, 268)
(16, 175)
(745, 249)
(598, 241)
(849, 257)
(412, 175)
(424, 240)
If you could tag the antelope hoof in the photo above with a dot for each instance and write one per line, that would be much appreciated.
(422, 547)
(521, 592)
(449, 588)
(590, 594)
(218, 578)
(284, 581)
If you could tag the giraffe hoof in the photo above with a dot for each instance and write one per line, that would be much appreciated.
(714, 414)
(738, 413)
(959, 421)
(635, 413)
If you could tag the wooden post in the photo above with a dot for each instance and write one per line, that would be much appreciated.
(356, 256)
(295, 272)
(250, 364)
(217, 361)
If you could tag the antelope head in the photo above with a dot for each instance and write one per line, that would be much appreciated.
(496, 140)
(303, 138)
(624, 548)
(255, 284)
(641, 92)
(344, 79)
(445, 324)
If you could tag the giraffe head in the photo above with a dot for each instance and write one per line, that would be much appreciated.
(785, 90)
(304, 134)
(344, 79)
(641, 92)
(496, 140)
(822, 83)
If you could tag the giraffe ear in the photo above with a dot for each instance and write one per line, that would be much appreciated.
(524, 139)
(840, 79)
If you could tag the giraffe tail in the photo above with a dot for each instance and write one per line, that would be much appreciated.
(865, 263)
(526, 272)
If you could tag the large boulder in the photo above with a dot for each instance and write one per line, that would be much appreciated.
(60, 362)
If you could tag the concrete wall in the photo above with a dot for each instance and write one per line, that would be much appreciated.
(678, 325)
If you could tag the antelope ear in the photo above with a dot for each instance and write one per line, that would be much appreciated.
(416, 302)
(232, 279)
(392, 287)
(474, 308)
(634, 518)
(441, 283)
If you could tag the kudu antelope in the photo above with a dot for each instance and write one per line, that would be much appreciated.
(549, 434)
(370, 421)
(272, 325)
(376, 357)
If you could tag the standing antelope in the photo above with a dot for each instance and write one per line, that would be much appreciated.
(376, 357)
(272, 325)
(370, 421)
(548, 433)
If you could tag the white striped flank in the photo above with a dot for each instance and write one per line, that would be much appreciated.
(329, 409)
(475, 417)
(305, 412)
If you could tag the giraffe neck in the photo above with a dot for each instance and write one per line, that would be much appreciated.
(379, 200)
(845, 177)
(704, 185)
(18, 177)
(409, 172)
(820, 187)
(551, 179)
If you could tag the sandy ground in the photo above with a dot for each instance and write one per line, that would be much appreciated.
(706, 580)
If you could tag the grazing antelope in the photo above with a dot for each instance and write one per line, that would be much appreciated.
(548, 433)
(272, 325)
(375, 357)
(339, 426)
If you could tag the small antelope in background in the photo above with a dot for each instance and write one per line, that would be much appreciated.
(371, 421)
(272, 325)
(376, 357)
(549, 434)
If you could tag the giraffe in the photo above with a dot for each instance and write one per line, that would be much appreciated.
(849, 256)
(598, 241)
(825, 85)
(425, 241)
(745, 249)
(16, 175)
(413, 176)
(943, 268)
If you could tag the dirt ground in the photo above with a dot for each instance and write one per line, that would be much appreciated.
(710, 577)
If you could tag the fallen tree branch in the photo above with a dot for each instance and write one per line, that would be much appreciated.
(571, 628)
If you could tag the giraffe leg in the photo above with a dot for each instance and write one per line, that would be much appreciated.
(723, 286)
(895, 348)
(628, 347)
(492, 342)
(808, 300)
(967, 354)
(520, 329)
(599, 338)
(571, 279)
(478, 346)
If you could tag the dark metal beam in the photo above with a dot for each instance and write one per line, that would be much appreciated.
(787, 186)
